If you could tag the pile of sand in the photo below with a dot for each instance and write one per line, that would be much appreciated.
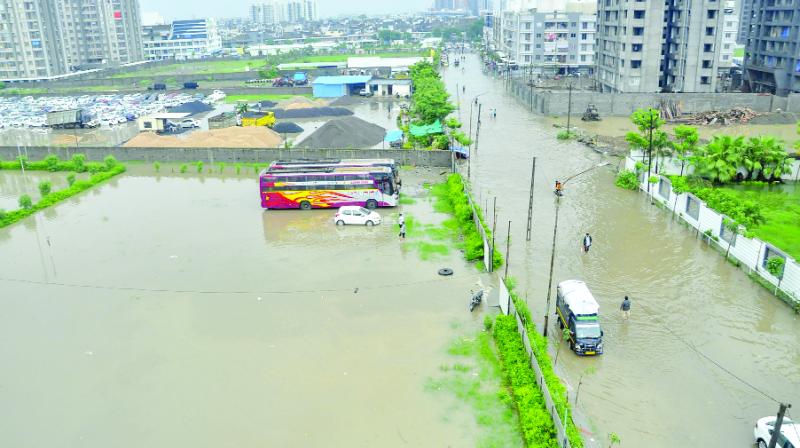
(347, 132)
(301, 102)
(233, 137)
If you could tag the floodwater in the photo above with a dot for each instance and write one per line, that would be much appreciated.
(14, 184)
(666, 378)
(172, 310)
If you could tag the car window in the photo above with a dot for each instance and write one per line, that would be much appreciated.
(347, 212)
(364, 211)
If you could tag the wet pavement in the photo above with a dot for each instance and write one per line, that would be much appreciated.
(170, 310)
(656, 385)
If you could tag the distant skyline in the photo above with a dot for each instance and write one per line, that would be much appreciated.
(191, 9)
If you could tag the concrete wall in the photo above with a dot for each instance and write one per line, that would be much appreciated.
(233, 155)
(305, 90)
(550, 102)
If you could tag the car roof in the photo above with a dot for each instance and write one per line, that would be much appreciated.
(790, 429)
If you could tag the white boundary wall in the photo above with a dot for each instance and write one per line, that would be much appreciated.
(752, 253)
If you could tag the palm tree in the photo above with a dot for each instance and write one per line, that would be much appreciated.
(776, 161)
(720, 158)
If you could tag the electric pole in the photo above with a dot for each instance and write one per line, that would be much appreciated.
(530, 201)
(508, 248)
(778, 422)
(552, 262)
(569, 106)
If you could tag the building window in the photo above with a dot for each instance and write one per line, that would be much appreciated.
(725, 57)
(584, 25)
(636, 48)
(712, 13)
(584, 36)
(583, 58)
(572, 35)
(527, 47)
(538, 35)
(709, 31)
(538, 57)
(727, 46)
(639, 31)
(538, 45)
(638, 14)
(664, 187)
(708, 48)
(705, 80)
(706, 64)
(636, 64)
(527, 25)
(622, 62)
(527, 58)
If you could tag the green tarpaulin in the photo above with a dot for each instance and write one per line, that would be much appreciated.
(428, 129)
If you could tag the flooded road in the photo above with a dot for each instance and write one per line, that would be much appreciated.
(656, 385)
(172, 311)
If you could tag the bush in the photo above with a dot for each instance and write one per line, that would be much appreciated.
(157, 166)
(70, 179)
(199, 165)
(45, 187)
(184, 168)
(627, 179)
(3, 214)
(565, 134)
(25, 202)
(79, 163)
(775, 266)
(51, 162)
(110, 161)
(487, 321)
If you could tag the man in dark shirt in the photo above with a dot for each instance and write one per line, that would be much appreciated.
(626, 308)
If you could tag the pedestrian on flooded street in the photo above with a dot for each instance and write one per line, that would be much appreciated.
(401, 220)
(626, 308)
(587, 242)
(402, 223)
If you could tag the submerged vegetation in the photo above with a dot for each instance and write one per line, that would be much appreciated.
(100, 173)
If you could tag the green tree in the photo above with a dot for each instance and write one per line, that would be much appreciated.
(45, 187)
(25, 202)
(685, 143)
(650, 138)
(776, 161)
(719, 159)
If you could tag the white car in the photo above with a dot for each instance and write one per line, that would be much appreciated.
(190, 123)
(788, 438)
(351, 214)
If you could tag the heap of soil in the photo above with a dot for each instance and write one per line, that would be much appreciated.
(347, 132)
(232, 137)
(301, 102)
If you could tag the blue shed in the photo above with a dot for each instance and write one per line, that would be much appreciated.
(336, 86)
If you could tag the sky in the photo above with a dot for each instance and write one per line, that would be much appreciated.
(196, 9)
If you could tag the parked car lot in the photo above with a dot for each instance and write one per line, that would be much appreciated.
(98, 110)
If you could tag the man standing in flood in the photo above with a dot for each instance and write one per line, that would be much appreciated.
(587, 242)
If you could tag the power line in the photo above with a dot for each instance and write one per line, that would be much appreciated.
(230, 292)
(708, 358)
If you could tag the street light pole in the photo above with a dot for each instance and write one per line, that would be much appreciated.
(471, 103)
(553, 252)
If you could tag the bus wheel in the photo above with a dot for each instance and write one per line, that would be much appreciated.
(305, 205)
(372, 204)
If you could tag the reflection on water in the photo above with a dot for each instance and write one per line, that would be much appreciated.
(650, 386)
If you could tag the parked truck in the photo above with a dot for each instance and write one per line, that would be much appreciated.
(65, 119)
(578, 312)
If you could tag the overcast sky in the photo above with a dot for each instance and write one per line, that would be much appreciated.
(191, 9)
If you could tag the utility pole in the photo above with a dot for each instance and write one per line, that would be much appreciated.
(458, 102)
(650, 149)
(569, 106)
(552, 262)
(508, 248)
(530, 201)
(778, 422)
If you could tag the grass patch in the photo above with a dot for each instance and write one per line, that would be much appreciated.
(100, 173)
(428, 250)
(198, 68)
(343, 57)
(474, 378)
(256, 97)
(407, 200)
(781, 211)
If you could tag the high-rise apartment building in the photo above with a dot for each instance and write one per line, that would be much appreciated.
(730, 31)
(548, 42)
(43, 38)
(772, 51)
(184, 39)
(658, 45)
(286, 11)
(30, 44)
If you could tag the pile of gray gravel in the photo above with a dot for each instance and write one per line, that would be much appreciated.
(347, 132)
